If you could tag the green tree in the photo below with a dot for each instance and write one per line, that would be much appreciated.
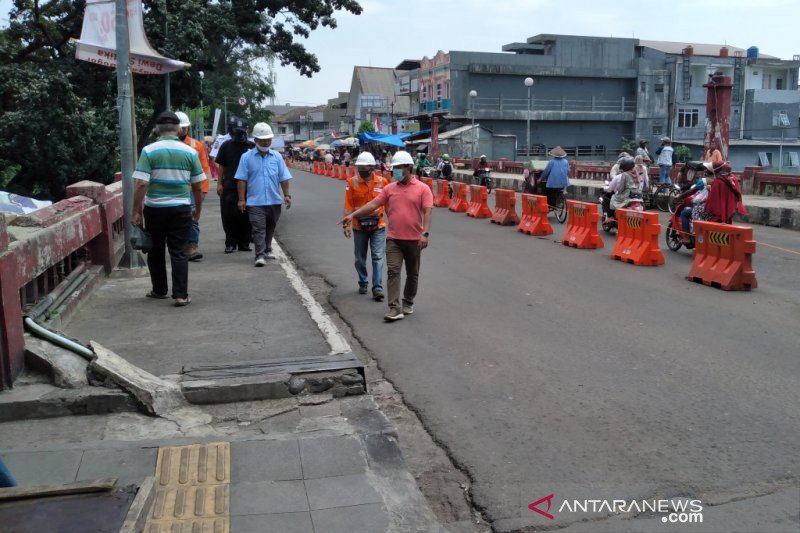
(683, 153)
(61, 113)
(366, 126)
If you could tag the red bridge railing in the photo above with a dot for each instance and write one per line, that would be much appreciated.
(37, 251)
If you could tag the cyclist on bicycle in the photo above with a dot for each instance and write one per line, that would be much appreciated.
(556, 175)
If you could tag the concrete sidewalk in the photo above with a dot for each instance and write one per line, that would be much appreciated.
(291, 467)
(763, 210)
(307, 463)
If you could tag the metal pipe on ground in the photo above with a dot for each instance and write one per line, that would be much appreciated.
(45, 303)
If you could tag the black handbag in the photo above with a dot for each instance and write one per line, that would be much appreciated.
(369, 223)
(141, 239)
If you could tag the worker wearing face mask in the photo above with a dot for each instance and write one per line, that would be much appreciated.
(263, 187)
(368, 230)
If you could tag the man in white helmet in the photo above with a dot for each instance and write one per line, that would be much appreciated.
(263, 187)
(409, 206)
(369, 231)
(183, 134)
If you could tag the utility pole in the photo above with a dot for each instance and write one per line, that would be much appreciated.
(131, 259)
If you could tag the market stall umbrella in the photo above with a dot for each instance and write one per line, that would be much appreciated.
(309, 144)
(323, 147)
(337, 143)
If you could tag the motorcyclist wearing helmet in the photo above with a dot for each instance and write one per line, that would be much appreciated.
(627, 189)
(422, 163)
(482, 170)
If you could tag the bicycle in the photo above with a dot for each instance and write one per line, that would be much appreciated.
(661, 197)
(559, 206)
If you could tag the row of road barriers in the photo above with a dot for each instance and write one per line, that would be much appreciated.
(722, 257)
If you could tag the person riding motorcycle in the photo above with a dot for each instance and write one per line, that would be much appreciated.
(446, 172)
(627, 189)
(422, 163)
(482, 171)
(699, 196)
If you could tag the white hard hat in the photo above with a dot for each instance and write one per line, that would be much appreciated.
(401, 157)
(184, 119)
(262, 131)
(365, 159)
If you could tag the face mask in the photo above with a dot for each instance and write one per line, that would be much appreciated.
(364, 173)
(262, 149)
(397, 174)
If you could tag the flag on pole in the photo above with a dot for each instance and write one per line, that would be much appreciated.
(333, 134)
(377, 123)
(98, 40)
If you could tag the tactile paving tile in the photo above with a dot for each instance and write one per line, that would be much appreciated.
(193, 494)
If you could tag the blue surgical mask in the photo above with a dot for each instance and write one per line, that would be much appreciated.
(397, 174)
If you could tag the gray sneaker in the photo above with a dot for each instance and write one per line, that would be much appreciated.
(260, 262)
(377, 295)
(270, 255)
(392, 315)
(408, 309)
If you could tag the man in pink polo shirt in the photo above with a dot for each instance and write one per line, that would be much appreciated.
(409, 207)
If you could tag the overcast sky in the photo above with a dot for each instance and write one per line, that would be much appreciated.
(389, 31)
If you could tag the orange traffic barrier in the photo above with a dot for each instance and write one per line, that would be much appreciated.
(478, 202)
(337, 172)
(318, 168)
(505, 208)
(428, 182)
(582, 219)
(459, 203)
(723, 256)
(328, 170)
(637, 238)
(534, 216)
(442, 196)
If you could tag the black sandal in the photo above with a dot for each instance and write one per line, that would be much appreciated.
(151, 294)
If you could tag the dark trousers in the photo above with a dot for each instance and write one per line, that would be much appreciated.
(397, 253)
(169, 226)
(235, 224)
(263, 219)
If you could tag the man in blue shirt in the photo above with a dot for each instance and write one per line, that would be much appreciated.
(263, 186)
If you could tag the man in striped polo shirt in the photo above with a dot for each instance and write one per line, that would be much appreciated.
(168, 174)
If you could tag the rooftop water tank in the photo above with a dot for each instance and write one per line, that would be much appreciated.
(752, 52)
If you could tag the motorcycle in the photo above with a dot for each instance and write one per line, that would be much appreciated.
(673, 233)
(609, 222)
(485, 178)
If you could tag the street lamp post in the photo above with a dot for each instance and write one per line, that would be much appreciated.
(472, 95)
(528, 84)
(202, 109)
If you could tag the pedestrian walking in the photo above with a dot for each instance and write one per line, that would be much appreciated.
(369, 230)
(665, 159)
(263, 187)
(409, 206)
(167, 176)
(183, 134)
(235, 224)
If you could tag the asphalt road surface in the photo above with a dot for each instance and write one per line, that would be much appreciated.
(545, 369)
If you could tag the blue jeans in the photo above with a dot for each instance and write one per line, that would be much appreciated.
(686, 221)
(664, 175)
(376, 241)
(6, 479)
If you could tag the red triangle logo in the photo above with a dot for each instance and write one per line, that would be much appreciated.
(535, 506)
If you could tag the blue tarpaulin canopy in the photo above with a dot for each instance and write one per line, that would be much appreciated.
(385, 138)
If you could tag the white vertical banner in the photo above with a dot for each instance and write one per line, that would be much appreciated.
(217, 114)
(98, 40)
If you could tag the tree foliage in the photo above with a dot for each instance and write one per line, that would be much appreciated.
(60, 114)
(366, 126)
